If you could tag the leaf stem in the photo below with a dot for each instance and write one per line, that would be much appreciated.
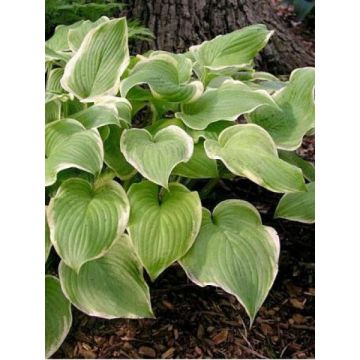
(208, 187)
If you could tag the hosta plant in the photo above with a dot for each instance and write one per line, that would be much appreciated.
(129, 138)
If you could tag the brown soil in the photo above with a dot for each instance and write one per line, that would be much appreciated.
(194, 322)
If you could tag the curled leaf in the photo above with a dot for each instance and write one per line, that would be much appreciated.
(248, 150)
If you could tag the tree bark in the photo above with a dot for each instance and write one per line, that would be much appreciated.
(178, 24)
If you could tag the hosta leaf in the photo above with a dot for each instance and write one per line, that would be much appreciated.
(236, 49)
(58, 316)
(59, 41)
(163, 123)
(183, 64)
(165, 78)
(121, 106)
(47, 238)
(295, 114)
(52, 111)
(227, 102)
(162, 230)
(96, 116)
(70, 107)
(113, 157)
(211, 132)
(199, 166)
(111, 286)
(69, 144)
(235, 252)
(248, 150)
(53, 56)
(156, 156)
(76, 35)
(307, 167)
(86, 219)
(53, 82)
(96, 67)
(104, 132)
(49, 97)
(262, 75)
(298, 206)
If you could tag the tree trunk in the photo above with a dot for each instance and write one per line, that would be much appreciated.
(178, 24)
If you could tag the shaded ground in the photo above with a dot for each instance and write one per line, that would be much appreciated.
(194, 322)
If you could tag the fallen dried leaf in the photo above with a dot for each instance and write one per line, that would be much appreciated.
(99, 340)
(168, 305)
(298, 319)
(147, 351)
(168, 354)
(220, 337)
(297, 304)
(266, 329)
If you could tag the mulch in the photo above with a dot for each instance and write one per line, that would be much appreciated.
(193, 322)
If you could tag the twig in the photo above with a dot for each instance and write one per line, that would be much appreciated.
(303, 327)
(253, 352)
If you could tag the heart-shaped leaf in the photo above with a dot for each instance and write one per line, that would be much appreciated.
(248, 150)
(58, 316)
(295, 114)
(298, 206)
(96, 67)
(68, 144)
(167, 78)
(162, 226)
(111, 286)
(235, 252)
(236, 49)
(226, 102)
(156, 156)
(199, 166)
(86, 219)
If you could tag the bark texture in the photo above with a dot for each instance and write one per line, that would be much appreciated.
(178, 24)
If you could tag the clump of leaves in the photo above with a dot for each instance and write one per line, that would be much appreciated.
(120, 196)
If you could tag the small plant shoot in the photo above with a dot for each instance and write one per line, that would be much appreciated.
(135, 144)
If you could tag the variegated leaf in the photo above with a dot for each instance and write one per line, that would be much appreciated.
(295, 114)
(58, 317)
(156, 156)
(162, 226)
(235, 252)
(111, 286)
(68, 144)
(95, 69)
(248, 150)
(85, 219)
(227, 102)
